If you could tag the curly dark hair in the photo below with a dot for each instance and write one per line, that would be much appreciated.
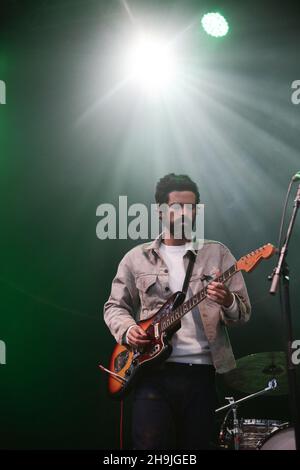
(172, 182)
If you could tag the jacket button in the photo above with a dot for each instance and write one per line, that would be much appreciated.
(167, 289)
(165, 270)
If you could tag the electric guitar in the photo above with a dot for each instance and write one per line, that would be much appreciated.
(126, 361)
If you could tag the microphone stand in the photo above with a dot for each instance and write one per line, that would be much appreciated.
(281, 273)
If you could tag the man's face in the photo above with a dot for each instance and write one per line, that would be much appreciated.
(181, 213)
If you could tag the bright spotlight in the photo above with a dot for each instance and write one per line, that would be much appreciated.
(215, 24)
(151, 63)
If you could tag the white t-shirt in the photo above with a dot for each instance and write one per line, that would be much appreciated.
(189, 343)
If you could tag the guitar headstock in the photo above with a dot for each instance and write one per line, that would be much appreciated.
(248, 262)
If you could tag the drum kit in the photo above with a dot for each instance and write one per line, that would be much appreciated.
(257, 374)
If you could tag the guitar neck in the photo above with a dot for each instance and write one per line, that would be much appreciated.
(169, 320)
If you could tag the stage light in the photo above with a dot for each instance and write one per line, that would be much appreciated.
(151, 63)
(215, 24)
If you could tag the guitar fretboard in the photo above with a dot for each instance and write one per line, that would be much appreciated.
(172, 318)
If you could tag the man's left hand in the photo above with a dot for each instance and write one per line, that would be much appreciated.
(220, 293)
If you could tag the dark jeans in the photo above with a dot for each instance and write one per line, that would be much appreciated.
(173, 407)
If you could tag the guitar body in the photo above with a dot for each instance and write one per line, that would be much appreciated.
(127, 362)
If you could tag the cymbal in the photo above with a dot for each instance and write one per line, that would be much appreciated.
(253, 373)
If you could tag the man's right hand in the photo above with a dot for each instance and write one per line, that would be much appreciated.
(136, 336)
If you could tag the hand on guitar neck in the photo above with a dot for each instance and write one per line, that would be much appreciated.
(220, 293)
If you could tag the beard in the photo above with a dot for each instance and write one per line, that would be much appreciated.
(182, 228)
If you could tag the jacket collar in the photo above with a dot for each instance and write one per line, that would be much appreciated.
(155, 244)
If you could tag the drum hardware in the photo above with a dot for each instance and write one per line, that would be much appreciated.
(232, 408)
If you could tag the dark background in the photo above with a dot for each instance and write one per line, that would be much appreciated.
(64, 151)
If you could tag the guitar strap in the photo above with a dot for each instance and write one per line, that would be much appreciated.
(189, 271)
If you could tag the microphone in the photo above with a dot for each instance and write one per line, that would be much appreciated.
(296, 177)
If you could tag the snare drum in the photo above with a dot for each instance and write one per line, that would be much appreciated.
(254, 431)
(282, 438)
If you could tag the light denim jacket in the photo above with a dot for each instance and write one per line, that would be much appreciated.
(140, 288)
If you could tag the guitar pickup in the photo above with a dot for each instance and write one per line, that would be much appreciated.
(156, 330)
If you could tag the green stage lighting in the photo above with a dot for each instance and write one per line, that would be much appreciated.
(215, 24)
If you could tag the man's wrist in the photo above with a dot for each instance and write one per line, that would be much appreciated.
(233, 304)
(126, 336)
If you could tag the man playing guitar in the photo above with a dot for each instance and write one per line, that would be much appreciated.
(174, 401)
